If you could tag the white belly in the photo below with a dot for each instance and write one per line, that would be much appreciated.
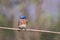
(22, 26)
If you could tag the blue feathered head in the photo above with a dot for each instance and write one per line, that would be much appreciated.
(23, 17)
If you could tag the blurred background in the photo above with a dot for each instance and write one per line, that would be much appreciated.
(41, 14)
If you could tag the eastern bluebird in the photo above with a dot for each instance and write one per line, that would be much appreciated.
(22, 22)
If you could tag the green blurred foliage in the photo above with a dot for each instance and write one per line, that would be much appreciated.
(4, 21)
(47, 36)
(32, 1)
(55, 26)
(21, 6)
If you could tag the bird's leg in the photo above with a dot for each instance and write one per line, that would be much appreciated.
(25, 29)
(19, 28)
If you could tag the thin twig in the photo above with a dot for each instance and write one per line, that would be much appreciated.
(30, 30)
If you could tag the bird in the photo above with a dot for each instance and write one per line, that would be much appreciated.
(22, 24)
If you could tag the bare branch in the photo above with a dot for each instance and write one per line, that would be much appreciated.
(29, 30)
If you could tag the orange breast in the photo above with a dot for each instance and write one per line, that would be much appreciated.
(22, 21)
